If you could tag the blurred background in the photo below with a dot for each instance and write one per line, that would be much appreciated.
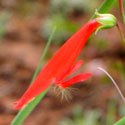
(25, 26)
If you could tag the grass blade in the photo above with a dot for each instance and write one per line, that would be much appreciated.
(23, 113)
(105, 7)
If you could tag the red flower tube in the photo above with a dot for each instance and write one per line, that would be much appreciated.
(63, 62)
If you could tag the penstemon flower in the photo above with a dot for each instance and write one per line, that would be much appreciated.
(63, 63)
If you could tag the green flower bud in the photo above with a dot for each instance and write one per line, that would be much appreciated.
(107, 21)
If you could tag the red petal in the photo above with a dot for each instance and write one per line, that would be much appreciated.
(59, 63)
(67, 54)
(37, 87)
(75, 79)
(70, 70)
(15, 102)
(76, 66)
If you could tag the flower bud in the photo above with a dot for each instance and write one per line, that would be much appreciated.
(106, 21)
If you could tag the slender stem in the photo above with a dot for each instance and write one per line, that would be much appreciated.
(113, 81)
(122, 10)
(120, 31)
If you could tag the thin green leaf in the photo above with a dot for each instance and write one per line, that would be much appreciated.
(23, 113)
(105, 7)
(44, 54)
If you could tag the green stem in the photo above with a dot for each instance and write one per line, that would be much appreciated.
(23, 113)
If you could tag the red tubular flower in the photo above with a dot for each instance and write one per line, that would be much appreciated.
(62, 64)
